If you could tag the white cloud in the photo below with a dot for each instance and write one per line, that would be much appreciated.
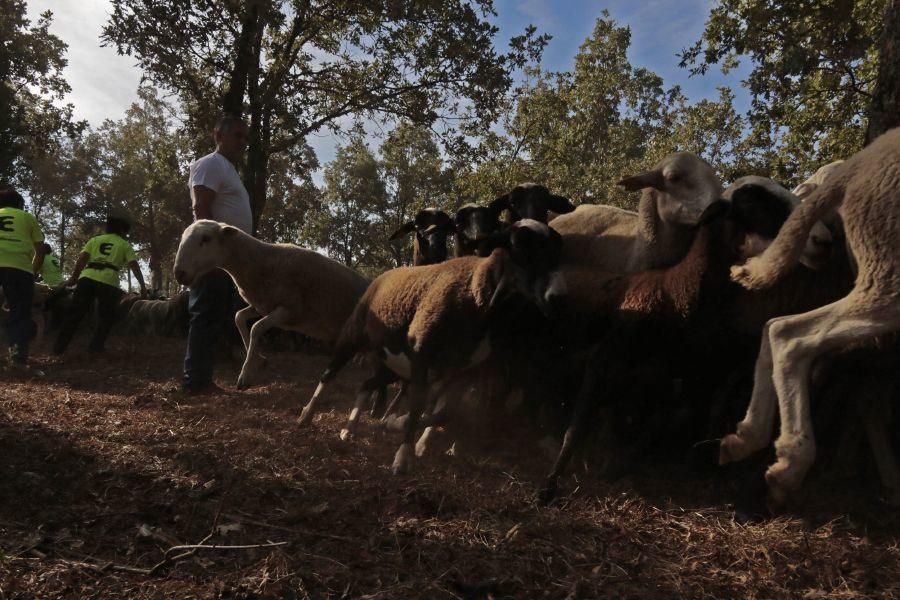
(541, 12)
(104, 84)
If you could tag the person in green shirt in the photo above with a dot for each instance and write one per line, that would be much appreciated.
(51, 268)
(21, 254)
(97, 275)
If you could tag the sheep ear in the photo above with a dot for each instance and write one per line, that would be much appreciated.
(499, 277)
(501, 203)
(560, 204)
(404, 231)
(645, 179)
(229, 231)
(489, 283)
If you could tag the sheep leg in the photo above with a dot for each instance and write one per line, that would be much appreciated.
(393, 405)
(241, 318)
(796, 341)
(342, 356)
(393, 422)
(755, 432)
(418, 396)
(578, 424)
(379, 395)
(439, 415)
(273, 319)
(376, 383)
(879, 441)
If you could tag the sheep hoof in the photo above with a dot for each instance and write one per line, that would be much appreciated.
(346, 434)
(748, 275)
(305, 418)
(733, 448)
(421, 449)
(402, 460)
(782, 478)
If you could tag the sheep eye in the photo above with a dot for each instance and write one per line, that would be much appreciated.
(673, 177)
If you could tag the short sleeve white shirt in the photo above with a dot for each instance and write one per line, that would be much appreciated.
(232, 203)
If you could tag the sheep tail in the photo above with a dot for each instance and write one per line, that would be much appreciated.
(766, 269)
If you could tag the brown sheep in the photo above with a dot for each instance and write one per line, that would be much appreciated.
(436, 321)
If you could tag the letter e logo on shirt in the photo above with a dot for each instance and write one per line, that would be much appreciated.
(6, 223)
(105, 248)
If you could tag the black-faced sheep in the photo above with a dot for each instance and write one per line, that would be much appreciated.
(475, 229)
(865, 188)
(436, 321)
(432, 227)
(532, 201)
(287, 286)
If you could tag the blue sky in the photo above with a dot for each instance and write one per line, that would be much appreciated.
(660, 29)
(104, 84)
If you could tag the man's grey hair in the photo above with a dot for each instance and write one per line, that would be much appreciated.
(227, 122)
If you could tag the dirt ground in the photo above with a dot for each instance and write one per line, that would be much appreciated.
(105, 468)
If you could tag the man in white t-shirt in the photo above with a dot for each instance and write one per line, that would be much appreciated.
(217, 193)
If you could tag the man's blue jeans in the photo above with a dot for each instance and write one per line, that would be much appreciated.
(211, 306)
(18, 287)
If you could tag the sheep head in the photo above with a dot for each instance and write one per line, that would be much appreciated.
(527, 264)
(531, 201)
(202, 249)
(475, 228)
(684, 185)
(432, 226)
(764, 205)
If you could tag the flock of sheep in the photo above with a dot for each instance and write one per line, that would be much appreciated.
(575, 310)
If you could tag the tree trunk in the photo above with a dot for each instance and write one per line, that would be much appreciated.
(257, 148)
(233, 100)
(884, 111)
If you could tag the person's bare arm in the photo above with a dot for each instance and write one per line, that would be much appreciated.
(38, 260)
(203, 200)
(79, 267)
(136, 269)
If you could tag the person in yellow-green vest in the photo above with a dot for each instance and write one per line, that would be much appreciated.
(97, 275)
(21, 255)
(51, 268)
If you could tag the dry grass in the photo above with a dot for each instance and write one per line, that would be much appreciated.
(104, 467)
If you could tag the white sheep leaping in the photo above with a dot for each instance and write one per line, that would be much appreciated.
(287, 286)
(866, 187)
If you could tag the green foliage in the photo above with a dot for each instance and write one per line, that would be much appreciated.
(144, 167)
(813, 70)
(139, 163)
(304, 64)
(581, 131)
(292, 195)
(32, 89)
(344, 225)
(415, 178)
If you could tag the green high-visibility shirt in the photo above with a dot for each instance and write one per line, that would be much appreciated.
(108, 254)
(51, 271)
(19, 232)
